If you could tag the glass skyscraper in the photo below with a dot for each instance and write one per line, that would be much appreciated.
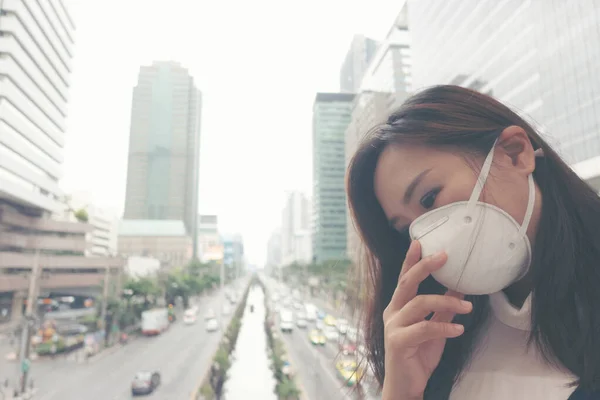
(164, 147)
(331, 116)
(540, 57)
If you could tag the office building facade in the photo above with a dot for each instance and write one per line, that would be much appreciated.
(390, 70)
(359, 56)
(164, 147)
(368, 110)
(539, 57)
(104, 222)
(296, 244)
(36, 47)
(273, 262)
(331, 116)
(209, 239)
(36, 50)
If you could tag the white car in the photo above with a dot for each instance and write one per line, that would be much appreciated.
(342, 326)
(301, 323)
(226, 310)
(212, 325)
(331, 333)
(286, 321)
(189, 317)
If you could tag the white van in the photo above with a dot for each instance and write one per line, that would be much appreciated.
(286, 321)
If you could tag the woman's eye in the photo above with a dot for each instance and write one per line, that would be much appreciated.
(428, 200)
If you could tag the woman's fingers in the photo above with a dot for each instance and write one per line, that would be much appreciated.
(420, 307)
(413, 255)
(422, 332)
(409, 281)
(445, 316)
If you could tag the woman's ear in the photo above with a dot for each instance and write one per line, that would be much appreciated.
(514, 143)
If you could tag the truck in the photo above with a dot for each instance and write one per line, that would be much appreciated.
(286, 321)
(155, 321)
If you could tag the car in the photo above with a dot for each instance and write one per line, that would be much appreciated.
(349, 371)
(347, 348)
(317, 338)
(212, 325)
(226, 309)
(329, 320)
(342, 326)
(331, 333)
(145, 382)
(189, 317)
(301, 323)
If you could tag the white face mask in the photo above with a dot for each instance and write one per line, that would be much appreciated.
(487, 249)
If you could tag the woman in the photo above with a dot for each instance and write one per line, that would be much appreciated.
(483, 250)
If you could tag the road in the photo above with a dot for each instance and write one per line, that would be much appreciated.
(314, 365)
(182, 355)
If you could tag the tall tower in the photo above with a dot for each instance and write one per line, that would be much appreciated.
(164, 147)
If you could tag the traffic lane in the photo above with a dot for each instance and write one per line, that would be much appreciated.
(185, 377)
(315, 369)
(110, 377)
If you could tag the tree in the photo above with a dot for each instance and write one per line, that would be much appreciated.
(143, 287)
(197, 268)
(82, 215)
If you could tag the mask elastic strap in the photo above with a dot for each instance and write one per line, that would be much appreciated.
(530, 203)
(483, 174)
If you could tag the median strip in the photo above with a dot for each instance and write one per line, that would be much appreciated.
(213, 381)
(287, 387)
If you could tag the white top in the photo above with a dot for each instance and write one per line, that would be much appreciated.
(504, 367)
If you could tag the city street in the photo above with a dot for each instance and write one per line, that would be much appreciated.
(182, 356)
(315, 367)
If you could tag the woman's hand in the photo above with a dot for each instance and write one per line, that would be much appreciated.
(414, 345)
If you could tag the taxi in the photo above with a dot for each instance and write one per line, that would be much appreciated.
(349, 371)
(316, 337)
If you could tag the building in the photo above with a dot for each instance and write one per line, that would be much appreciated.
(36, 48)
(209, 239)
(274, 252)
(104, 222)
(233, 251)
(36, 43)
(296, 244)
(386, 84)
(390, 70)
(142, 267)
(164, 147)
(164, 240)
(331, 116)
(359, 56)
(540, 57)
(368, 110)
(57, 249)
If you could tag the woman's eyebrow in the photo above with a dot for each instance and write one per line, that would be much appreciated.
(410, 189)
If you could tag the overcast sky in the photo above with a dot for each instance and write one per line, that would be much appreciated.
(258, 63)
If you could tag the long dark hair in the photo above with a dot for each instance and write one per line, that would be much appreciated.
(564, 271)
